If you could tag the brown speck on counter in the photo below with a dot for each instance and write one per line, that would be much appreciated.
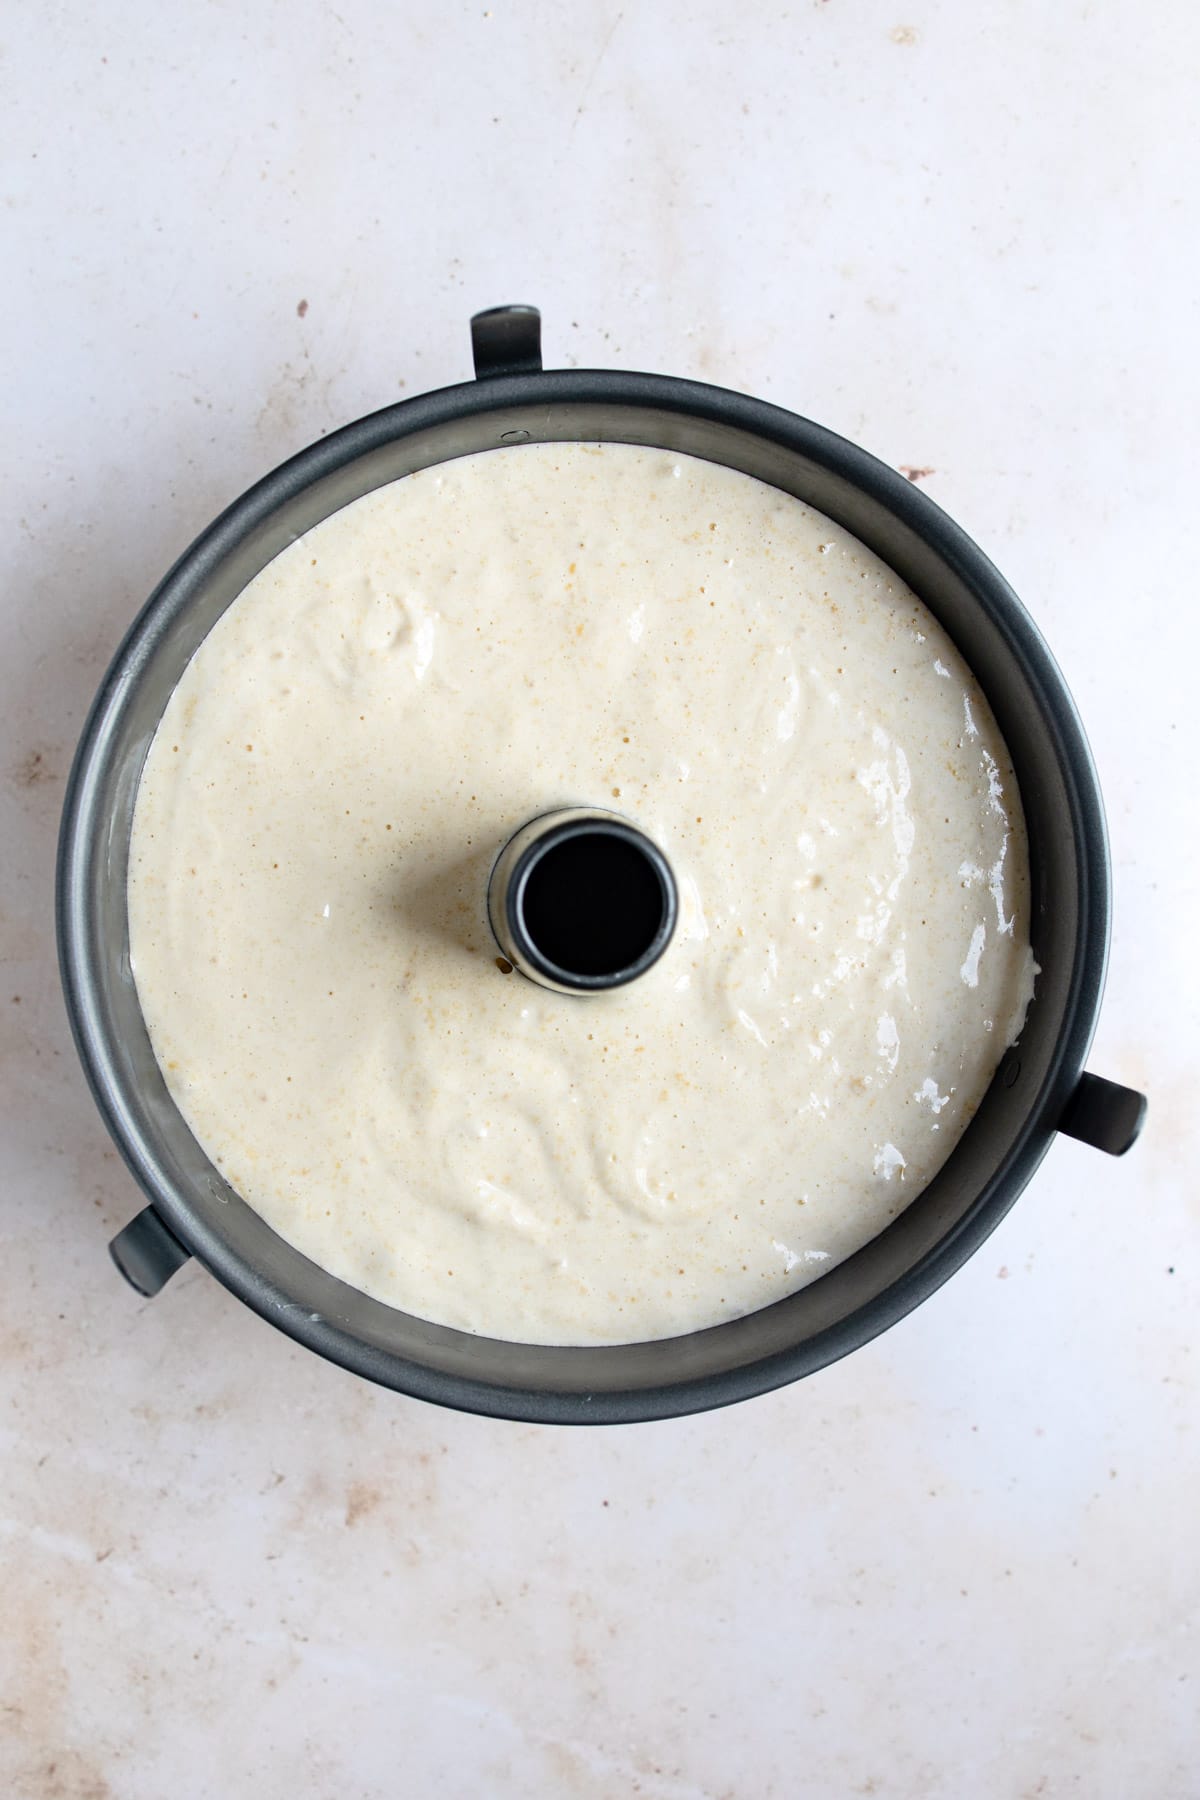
(911, 472)
(301, 308)
(905, 34)
(361, 1500)
(504, 966)
(33, 769)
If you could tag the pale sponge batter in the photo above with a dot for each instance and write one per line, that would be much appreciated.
(577, 625)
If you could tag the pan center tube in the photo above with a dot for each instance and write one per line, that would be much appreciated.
(582, 901)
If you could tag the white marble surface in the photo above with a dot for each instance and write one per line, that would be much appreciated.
(963, 1562)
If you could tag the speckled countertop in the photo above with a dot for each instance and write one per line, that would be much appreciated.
(964, 1561)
